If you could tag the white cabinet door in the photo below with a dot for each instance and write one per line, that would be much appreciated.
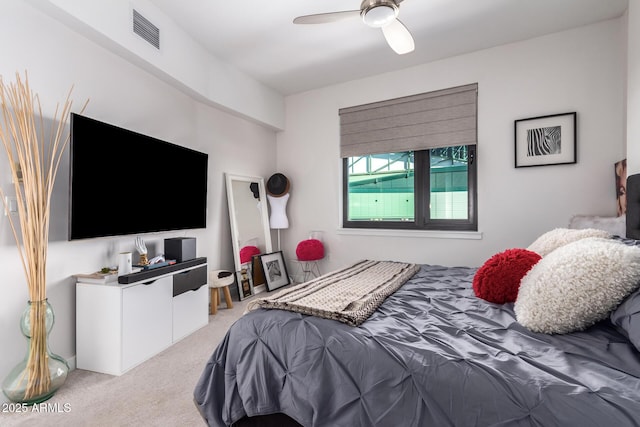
(98, 328)
(190, 312)
(146, 320)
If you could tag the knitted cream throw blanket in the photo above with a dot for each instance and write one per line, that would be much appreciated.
(349, 295)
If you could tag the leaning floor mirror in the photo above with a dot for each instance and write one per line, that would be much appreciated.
(250, 232)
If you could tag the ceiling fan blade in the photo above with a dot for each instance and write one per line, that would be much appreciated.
(398, 37)
(323, 18)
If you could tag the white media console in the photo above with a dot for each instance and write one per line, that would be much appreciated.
(120, 325)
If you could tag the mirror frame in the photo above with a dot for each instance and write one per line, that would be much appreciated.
(230, 178)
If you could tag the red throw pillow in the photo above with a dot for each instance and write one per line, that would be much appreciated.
(310, 250)
(247, 252)
(498, 280)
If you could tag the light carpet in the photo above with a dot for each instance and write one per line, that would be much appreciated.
(158, 392)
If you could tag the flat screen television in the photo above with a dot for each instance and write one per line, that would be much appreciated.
(123, 182)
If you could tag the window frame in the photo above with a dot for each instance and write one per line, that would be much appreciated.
(422, 196)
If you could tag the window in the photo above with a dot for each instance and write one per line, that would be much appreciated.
(428, 189)
(410, 163)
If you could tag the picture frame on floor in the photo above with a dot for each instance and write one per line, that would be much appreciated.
(245, 282)
(546, 140)
(275, 270)
(257, 272)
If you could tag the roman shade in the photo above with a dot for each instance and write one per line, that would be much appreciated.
(441, 118)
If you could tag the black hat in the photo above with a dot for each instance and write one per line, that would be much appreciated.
(278, 185)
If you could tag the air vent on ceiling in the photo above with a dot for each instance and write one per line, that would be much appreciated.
(145, 29)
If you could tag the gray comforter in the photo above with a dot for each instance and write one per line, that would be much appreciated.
(431, 355)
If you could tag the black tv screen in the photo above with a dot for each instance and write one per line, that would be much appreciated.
(123, 182)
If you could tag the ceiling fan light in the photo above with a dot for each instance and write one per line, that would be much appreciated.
(380, 15)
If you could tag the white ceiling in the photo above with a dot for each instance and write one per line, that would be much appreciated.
(260, 39)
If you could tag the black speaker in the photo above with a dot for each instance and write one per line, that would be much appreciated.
(180, 248)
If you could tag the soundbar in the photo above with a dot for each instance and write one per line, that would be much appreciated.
(140, 276)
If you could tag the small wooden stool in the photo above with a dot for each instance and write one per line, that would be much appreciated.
(220, 279)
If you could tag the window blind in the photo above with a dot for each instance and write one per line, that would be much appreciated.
(419, 122)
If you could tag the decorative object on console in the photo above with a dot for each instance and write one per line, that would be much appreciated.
(143, 260)
(498, 280)
(546, 140)
(180, 248)
(106, 275)
(577, 285)
(157, 263)
(124, 263)
(558, 237)
(160, 259)
(220, 279)
(275, 270)
(33, 161)
(278, 187)
(142, 250)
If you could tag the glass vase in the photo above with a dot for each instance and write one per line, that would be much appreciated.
(36, 378)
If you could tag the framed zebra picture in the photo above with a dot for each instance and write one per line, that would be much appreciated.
(275, 270)
(546, 140)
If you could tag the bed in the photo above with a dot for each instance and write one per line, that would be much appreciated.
(435, 354)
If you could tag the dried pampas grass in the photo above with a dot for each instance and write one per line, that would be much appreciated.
(34, 161)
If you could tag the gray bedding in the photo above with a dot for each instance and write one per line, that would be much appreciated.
(431, 355)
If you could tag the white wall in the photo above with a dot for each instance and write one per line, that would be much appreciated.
(579, 70)
(122, 94)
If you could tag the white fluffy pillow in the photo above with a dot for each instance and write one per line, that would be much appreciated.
(577, 285)
(558, 237)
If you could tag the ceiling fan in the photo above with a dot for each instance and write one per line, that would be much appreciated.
(376, 14)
